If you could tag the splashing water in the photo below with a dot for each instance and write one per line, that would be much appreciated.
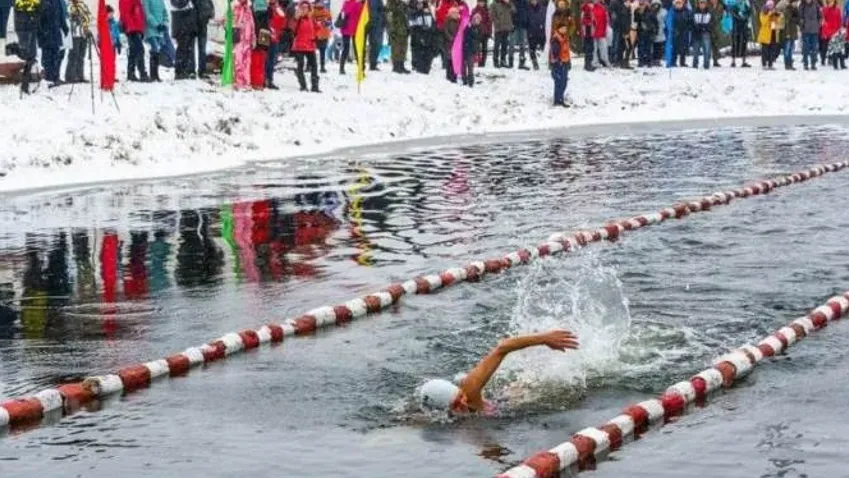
(582, 296)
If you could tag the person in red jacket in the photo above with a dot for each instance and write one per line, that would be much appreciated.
(303, 46)
(600, 23)
(133, 23)
(277, 25)
(831, 21)
(485, 30)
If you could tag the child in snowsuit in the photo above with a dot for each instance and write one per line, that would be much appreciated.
(561, 62)
(471, 42)
(836, 50)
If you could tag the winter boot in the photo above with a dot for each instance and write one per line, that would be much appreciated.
(403, 69)
(522, 65)
(314, 81)
(534, 62)
(26, 76)
(302, 80)
(154, 67)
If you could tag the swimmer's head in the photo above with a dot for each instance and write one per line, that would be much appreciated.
(438, 395)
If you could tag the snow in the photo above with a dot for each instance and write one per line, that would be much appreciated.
(174, 128)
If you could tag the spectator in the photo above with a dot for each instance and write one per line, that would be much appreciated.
(485, 31)
(206, 12)
(303, 47)
(243, 39)
(600, 25)
(276, 25)
(536, 30)
(133, 24)
(768, 33)
(323, 23)
(451, 27)
(810, 19)
(376, 26)
(741, 14)
(561, 63)
(702, 27)
(398, 34)
(422, 36)
(155, 30)
(27, 19)
(470, 50)
(682, 25)
(184, 25)
(790, 10)
(717, 10)
(114, 29)
(348, 19)
(831, 21)
(660, 38)
(620, 23)
(5, 11)
(646, 21)
(79, 17)
(588, 33)
(519, 36)
(54, 26)
(502, 26)
(836, 48)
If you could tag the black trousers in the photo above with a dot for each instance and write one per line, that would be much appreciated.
(322, 52)
(535, 44)
(346, 53)
(739, 42)
(184, 65)
(201, 41)
(823, 50)
(499, 53)
(483, 47)
(75, 69)
(308, 60)
(135, 58)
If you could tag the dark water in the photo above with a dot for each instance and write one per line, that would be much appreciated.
(96, 279)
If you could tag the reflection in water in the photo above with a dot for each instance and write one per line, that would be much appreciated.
(420, 206)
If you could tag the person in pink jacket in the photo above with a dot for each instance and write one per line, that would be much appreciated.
(243, 21)
(350, 17)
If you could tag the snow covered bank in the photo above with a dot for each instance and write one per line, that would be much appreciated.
(180, 128)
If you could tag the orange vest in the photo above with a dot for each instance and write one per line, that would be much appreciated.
(565, 53)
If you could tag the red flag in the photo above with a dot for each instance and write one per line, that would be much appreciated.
(107, 50)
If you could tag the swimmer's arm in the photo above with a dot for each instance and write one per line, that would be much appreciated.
(479, 376)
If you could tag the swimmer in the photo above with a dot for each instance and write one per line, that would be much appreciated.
(467, 395)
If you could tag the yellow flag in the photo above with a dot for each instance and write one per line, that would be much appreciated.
(360, 44)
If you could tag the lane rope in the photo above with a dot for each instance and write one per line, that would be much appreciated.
(68, 398)
(590, 445)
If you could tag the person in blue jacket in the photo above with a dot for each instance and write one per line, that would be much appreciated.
(155, 30)
(681, 21)
(375, 32)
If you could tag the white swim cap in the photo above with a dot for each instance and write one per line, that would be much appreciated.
(438, 394)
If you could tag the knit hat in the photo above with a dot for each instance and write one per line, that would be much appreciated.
(769, 5)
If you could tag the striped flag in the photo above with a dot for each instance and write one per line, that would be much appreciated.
(360, 44)
(227, 66)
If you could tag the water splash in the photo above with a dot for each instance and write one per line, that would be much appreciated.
(583, 296)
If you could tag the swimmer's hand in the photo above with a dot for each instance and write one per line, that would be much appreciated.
(560, 340)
